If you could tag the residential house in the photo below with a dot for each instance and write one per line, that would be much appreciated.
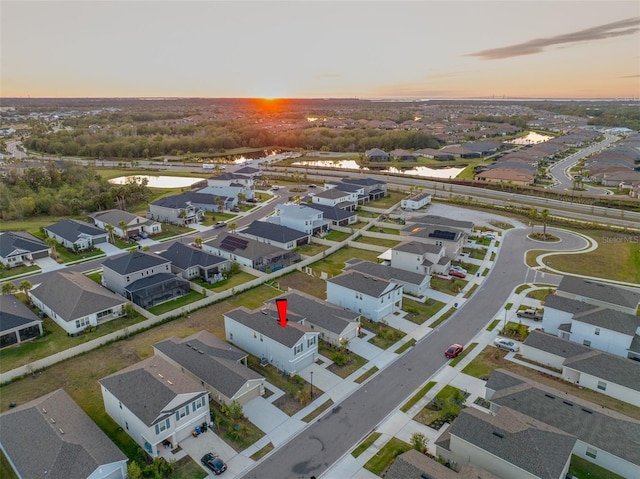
(464, 226)
(276, 235)
(452, 239)
(208, 202)
(17, 322)
(353, 189)
(190, 263)
(368, 295)
(416, 201)
(143, 279)
(301, 218)
(605, 438)
(217, 365)
(155, 403)
(230, 185)
(76, 302)
(76, 235)
(289, 348)
(336, 216)
(376, 154)
(594, 326)
(335, 197)
(421, 258)
(511, 176)
(416, 284)
(251, 253)
(334, 324)
(19, 248)
(125, 224)
(602, 372)
(402, 155)
(373, 188)
(51, 436)
(599, 294)
(176, 210)
(416, 465)
(507, 444)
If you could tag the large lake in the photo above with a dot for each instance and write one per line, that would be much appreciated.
(158, 181)
(449, 172)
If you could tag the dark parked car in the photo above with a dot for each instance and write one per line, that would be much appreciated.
(221, 224)
(251, 200)
(453, 350)
(214, 463)
(235, 209)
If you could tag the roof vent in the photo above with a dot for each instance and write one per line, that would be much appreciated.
(160, 376)
(498, 434)
(568, 403)
(188, 345)
(587, 411)
(53, 421)
(200, 351)
(61, 431)
(44, 410)
(549, 396)
(169, 382)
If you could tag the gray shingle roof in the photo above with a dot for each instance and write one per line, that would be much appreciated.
(184, 257)
(610, 319)
(147, 281)
(387, 272)
(610, 432)
(331, 194)
(332, 213)
(364, 181)
(211, 360)
(147, 388)
(418, 247)
(554, 345)
(173, 201)
(433, 231)
(113, 217)
(268, 326)
(72, 446)
(10, 241)
(14, 313)
(254, 249)
(440, 220)
(622, 371)
(137, 261)
(362, 283)
(273, 232)
(565, 304)
(600, 291)
(71, 230)
(315, 311)
(73, 295)
(530, 445)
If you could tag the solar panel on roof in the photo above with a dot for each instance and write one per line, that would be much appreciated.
(448, 235)
(231, 243)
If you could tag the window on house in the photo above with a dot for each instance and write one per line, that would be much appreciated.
(311, 341)
(586, 342)
(261, 338)
(231, 336)
(255, 335)
(602, 385)
(120, 404)
(163, 426)
(126, 425)
(597, 332)
(591, 452)
(297, 349)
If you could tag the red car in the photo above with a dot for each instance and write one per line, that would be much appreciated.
(459, 274)
(453, 350)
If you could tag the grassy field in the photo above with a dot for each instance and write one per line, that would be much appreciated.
(450, 287)
(581, 468)
(377, 241)
(383, 459)
(11, 272)
(311, 249)
(335, 235)
(333, 264)
(236, 279)
(617, 257)
(418, 312)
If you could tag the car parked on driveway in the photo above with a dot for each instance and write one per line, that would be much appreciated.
(531, 313)
(504, 343)
(214, 463)
(453, 350)
(457, 274)
(235, 209)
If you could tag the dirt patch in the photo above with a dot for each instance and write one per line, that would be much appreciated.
(303, 282)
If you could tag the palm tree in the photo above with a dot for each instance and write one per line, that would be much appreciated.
(123, 226)
(220, 203)
(233, 226)
(25, 286)
(198, 242)
(544, 216)
(110, 229)
(52, 243)
(533, 214)
(8, 288)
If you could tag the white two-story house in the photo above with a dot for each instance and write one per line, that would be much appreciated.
(230, 185)
(334, 197)
(156, 404)
(367, 295)
(301, 218)
(421, 258)
(175, 209)
(289, 349)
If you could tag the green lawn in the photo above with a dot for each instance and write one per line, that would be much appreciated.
(420, 312)
(6, 471)
(333, 264)
(364, 445)
(311, 249)
(370, 372)
(256, 297)
(393, 197)
(383, 459)
(11, 272)
(448, 406)
(335, 235)
(236, 279)
(451, 287)
(55, 339)
(405, 346)
(238, 433)
(581, 468)
(377, 241)
(259, 454)
(66, 256)
(354, 361)
(493, 325)
(471, 291)
(461, 356)
(443, 318)
(190, 297)
(540, 294)
(319, 410)
(385, 336)
(417, 396)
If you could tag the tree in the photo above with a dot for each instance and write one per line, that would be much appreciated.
(233, 227)
(198, 241)
(220, 203)
(25, 286)
(419, 442)
(533, 214)
(8, 288)
(544, 216)
(110, 229)
(52, 243)
(123, 226)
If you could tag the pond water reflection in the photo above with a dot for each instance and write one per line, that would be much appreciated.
(448, 172)
(157, 181)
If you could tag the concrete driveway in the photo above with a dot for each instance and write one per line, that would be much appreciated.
(109, 249)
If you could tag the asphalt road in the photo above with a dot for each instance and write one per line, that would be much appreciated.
(316, 448)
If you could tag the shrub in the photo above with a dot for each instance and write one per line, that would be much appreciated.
(419, 442)
(339, 358)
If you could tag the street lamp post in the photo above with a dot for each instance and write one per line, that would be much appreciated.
(312, 385)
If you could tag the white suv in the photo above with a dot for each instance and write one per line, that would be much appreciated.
(503, 343)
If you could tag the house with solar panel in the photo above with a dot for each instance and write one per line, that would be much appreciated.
(250, 253)
(156, 404)
(368, 295)
(451, 238)
(416, 284)
(143, 279)
(419, 257)
(189, 263)
(289, 349)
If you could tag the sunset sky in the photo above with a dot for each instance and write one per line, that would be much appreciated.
(317, 49)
